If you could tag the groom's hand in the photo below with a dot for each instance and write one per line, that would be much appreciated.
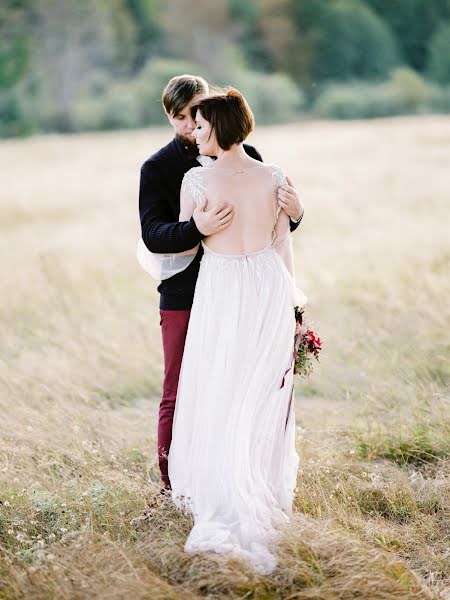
(289, 199)
(214, 220)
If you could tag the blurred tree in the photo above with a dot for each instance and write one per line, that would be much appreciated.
(308, 17)
(201, 32)
(278, 31)
(413, 23)
(71, 41)
(14, 50)
(146, 15)
(16, 118)
(245, 18)
(353, 43)
(438, 67)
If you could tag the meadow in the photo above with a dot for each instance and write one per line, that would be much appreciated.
(81, 514)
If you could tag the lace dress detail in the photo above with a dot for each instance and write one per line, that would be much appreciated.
(279, 179)
(193, 185)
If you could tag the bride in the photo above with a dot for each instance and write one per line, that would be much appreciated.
(233, 462)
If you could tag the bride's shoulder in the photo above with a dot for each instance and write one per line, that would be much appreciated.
(193, 183)
(193, 177)
(193, 173)
(278, 173)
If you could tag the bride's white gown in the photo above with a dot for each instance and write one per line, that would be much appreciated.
(232, 461)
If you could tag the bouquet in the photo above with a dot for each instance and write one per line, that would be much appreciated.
(306, 346)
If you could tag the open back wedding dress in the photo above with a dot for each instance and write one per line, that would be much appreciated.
(233, 462)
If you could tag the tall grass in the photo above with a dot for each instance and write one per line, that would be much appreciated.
(81, 513)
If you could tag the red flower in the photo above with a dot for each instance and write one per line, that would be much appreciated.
(306, 346)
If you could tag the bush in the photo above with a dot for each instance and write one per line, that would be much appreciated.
(408, 90)
(106, 103)
(18, 109)
(404, 93)
(150, 84)
(440, 100)
(438, 65)
(273, 98)
(352, 101)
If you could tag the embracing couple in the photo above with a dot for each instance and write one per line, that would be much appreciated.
(216, 231)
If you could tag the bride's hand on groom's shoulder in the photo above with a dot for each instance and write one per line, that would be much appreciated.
(289, 200)
(213, 220)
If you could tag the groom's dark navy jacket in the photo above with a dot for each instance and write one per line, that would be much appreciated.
(159, 209)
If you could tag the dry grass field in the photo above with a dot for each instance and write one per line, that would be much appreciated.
(81, 369)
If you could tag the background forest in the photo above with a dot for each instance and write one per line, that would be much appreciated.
(101, 64)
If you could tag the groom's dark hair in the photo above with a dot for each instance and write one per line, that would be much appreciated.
(229, 115)
(180, 90)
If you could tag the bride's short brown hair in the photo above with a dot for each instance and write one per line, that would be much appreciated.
(229, 114)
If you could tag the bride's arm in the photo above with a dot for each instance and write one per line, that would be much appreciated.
(283, 241)
(282, 230)
(187, 206)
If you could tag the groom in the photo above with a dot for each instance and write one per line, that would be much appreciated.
(159, 207)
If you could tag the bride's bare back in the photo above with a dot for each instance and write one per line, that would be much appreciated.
(252, 191)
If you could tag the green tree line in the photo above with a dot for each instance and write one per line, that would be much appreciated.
(101, 64)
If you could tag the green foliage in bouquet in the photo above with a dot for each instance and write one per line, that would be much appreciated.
(306, 346)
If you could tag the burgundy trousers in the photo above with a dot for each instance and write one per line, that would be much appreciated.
(174, 324)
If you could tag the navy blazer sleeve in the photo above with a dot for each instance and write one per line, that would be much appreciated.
(159, 232)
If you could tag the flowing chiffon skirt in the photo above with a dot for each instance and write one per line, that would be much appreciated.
(232, 461)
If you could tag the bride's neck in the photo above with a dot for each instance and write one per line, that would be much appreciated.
(235, 156)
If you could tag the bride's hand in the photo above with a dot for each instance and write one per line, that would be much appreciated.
(289, 200)
(214, 220)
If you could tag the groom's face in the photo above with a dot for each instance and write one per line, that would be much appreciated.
(183, 124)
